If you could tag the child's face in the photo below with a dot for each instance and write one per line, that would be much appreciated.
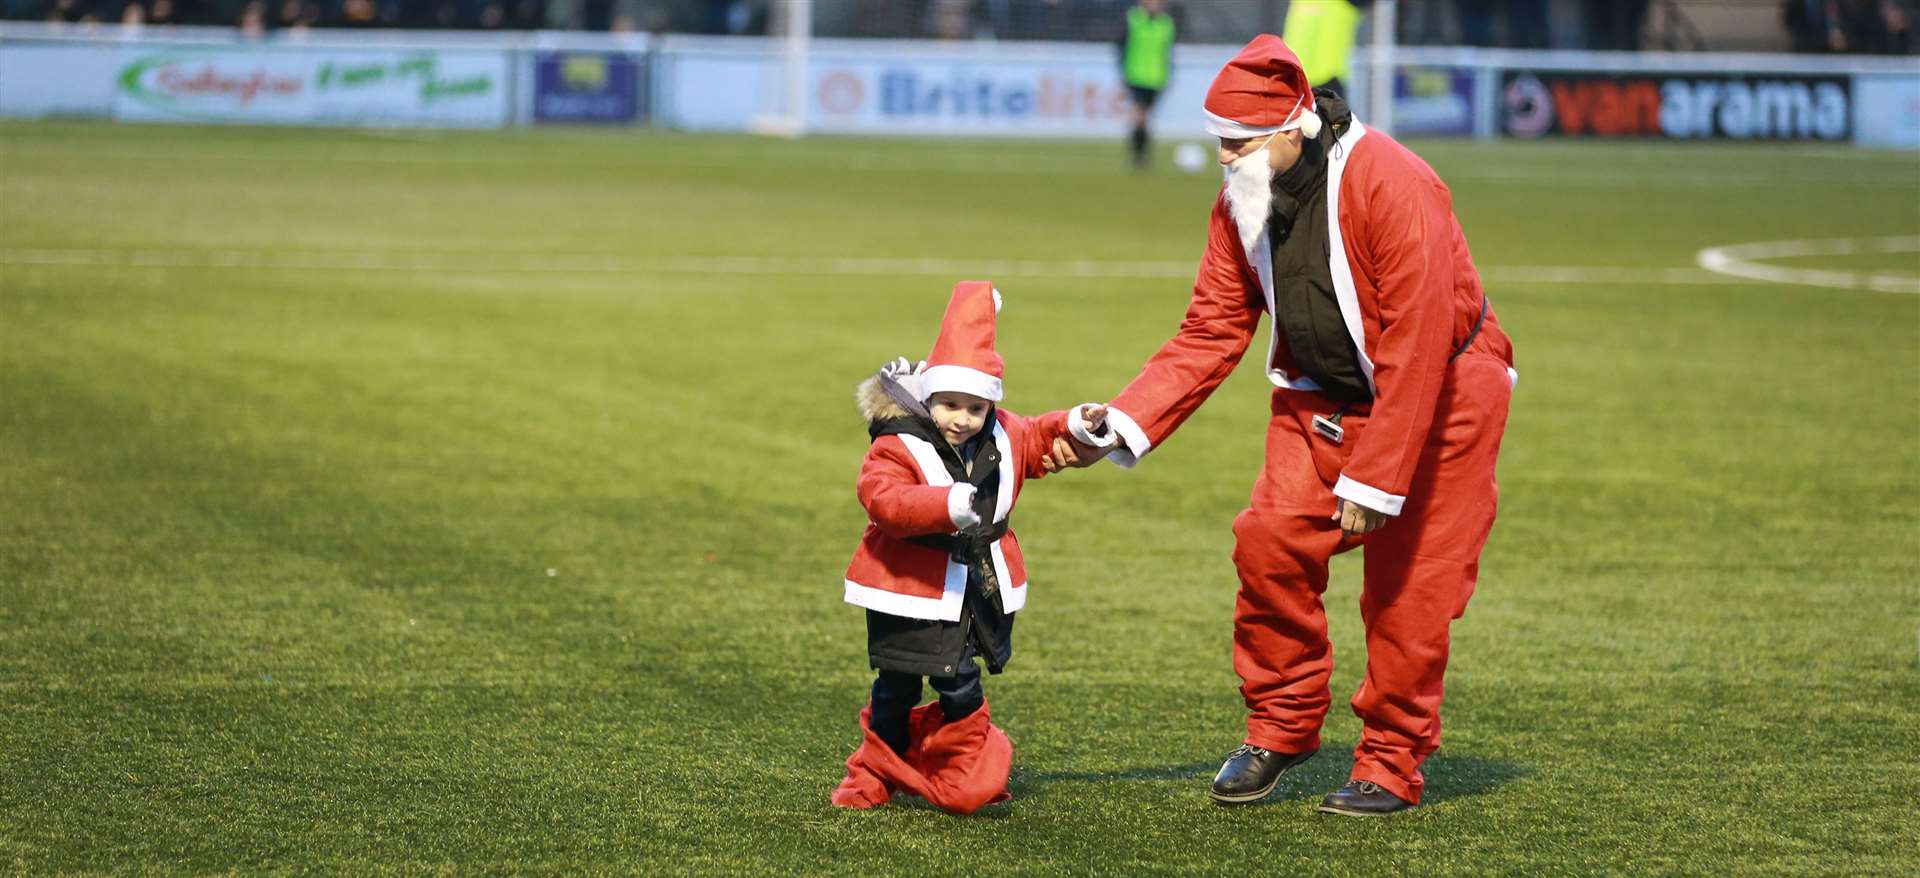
(958, 415)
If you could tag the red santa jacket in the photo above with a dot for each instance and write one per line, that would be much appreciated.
(904, 487)
(1407, 290)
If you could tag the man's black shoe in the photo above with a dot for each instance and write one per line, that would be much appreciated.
(1251, 772)
(1363, 798)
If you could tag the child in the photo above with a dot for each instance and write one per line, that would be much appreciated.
(939, 571)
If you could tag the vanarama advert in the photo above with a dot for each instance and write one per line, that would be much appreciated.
(1676, 106)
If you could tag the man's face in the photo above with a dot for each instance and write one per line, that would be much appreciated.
(1153, 7)
(958, 415)
(1283, 149)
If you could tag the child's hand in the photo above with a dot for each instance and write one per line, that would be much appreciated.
(1095, 416)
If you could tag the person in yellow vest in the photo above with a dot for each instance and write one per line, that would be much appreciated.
(1322, 32)
(1146, 60)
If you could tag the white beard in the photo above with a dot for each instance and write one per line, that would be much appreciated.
(1250, 195)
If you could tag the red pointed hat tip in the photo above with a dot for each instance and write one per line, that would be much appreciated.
(963, 357)
(1262, 90)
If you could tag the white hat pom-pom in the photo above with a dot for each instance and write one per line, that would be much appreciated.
(996, 300)
(1310, 124)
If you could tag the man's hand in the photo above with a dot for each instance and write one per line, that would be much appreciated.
(1356, 519)
(1095, 416)
(1068, 451)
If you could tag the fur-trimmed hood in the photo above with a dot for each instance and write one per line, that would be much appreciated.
(875, 405)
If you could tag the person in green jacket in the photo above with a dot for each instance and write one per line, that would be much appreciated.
(1146, 60)
(1323, 32)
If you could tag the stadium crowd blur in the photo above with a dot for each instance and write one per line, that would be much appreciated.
(1861, 26)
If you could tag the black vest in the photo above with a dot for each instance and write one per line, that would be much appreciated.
(1306, 310)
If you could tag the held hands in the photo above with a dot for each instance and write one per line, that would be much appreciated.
(1356, 519)
(1070, 451)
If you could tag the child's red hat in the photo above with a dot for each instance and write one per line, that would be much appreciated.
(963, 358)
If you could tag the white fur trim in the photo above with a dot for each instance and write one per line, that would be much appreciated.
(1221, 126)
(1077, 427)
(996, 300)
(934, 470)
(946, 607)
(1369, 496)
(1004, 504)
(960, 379)
(960, 507)
(1012, 597)
(1513, 377)
(931, 468)
(1343, 285)
(1134, 441)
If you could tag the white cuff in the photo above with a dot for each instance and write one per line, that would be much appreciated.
(1134, 443)
(1077, 425)
(1369, 496)
(960, 506)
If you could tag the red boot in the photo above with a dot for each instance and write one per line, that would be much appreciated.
(959, 766)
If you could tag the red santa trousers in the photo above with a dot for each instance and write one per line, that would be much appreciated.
(959, 766)
(1420, 570)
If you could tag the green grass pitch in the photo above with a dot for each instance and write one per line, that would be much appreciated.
(478, 502)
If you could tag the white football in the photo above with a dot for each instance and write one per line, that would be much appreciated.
(1190, 157)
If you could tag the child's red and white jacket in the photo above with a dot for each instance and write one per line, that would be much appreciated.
(907, 492)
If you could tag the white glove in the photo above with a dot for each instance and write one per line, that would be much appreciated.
(905, 374)
(960, 506)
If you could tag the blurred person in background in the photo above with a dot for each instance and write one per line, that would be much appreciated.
(1872, 26)
(1885, 28)
(296, 15)
(1815, 25)
(1146, 62)
(949, 19)
(71, 11)
(357, 14)
(253, 20)
(1323, 33)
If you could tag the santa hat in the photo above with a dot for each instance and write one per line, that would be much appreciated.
(963, 358)
(1261, 91)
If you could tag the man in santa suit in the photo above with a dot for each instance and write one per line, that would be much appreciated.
(1391, 381)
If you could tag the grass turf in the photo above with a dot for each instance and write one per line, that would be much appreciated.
(418, 504)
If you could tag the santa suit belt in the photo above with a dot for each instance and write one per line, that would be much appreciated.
(1328, 427)
(1474, 332)
(972, 547)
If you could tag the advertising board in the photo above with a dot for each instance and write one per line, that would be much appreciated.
(1433, 101)
(1678, 106)
(588, 88)
(313, 86)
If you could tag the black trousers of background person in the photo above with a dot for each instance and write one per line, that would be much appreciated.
(896, 693)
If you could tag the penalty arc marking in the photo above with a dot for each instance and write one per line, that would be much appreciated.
(1749, 261)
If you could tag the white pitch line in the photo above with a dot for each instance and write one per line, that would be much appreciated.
(1744, 261)
(1594, 274)
(471, 262)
